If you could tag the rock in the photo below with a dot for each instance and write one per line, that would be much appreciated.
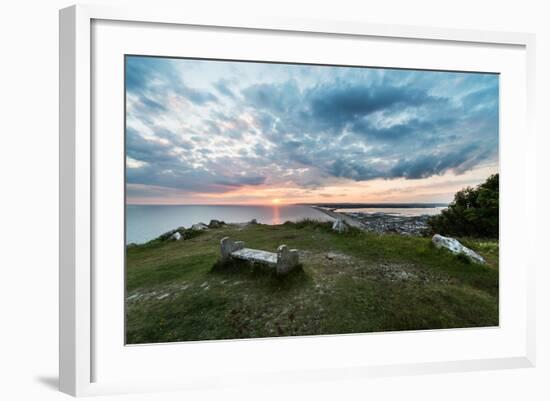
(132, 297)
(176, 236)
(215, 224)
(166, 236)
(199, 227)
(340, 226)
(456, 247)
(253, 221)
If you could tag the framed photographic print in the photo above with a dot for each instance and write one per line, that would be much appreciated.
(279, 200)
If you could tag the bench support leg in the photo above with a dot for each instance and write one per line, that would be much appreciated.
(228, 246)
(287, 259)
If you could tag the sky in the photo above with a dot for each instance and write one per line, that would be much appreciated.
(229, 132)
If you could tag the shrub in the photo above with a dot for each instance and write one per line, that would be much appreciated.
(312, 223)
(472, 213)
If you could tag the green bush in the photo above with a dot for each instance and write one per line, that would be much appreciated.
(473, 212)
(311, 223)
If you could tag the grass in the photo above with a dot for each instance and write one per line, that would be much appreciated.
(348, 283)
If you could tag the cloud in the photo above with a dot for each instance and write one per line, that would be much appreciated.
(212, 128)
(151, 78)
(361, 132)
(275, 98)
(344, 103)
(438, 163)
(222, 86)
(240, 181)
(155, 162)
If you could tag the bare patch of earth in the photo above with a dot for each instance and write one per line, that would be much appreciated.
(335, 264)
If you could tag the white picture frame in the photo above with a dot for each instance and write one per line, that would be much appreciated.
(79, 215)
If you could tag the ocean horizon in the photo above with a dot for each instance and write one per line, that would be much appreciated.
(146, 222)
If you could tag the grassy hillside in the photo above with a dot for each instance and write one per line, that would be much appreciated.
(349, 283)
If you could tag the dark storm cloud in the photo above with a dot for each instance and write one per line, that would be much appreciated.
(240, 181)
(342, 104)
(436, 163)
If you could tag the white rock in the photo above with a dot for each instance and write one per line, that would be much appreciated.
(334, 256)
(176, 236)
(135, 296)
(340, 226)
(456, 247)
(199, 227)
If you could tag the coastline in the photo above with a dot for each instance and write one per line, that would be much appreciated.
(381, 223)
(145, 222)
(344, 217)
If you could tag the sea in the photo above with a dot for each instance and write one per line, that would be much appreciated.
(146, 222)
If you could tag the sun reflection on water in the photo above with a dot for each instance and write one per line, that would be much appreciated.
(276, 219)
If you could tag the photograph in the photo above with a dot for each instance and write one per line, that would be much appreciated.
(274, 199)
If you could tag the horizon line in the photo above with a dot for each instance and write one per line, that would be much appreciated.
(335, 204)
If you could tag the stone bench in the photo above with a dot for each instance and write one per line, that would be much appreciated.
(283, 261)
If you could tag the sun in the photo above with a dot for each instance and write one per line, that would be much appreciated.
(276, 201)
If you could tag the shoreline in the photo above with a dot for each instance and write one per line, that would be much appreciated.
(380, 222)
(341, 216)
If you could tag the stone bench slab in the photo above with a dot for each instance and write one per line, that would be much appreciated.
(283, 261)
(255, 255)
